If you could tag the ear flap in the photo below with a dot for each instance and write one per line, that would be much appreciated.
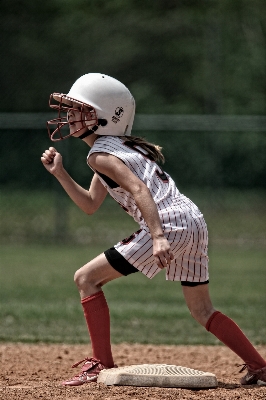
(102, 122)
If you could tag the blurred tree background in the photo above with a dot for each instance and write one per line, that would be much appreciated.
(185, 57)
(177, 57)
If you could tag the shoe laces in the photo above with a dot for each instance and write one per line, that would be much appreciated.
(244, 366)
(92, 361)
(250, 370)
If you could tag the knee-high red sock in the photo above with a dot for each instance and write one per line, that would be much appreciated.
(228, 332)
(97, 316)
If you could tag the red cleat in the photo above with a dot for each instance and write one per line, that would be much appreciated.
(89, 372)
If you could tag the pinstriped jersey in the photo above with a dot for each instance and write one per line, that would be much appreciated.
(162, 187)
(182, 222)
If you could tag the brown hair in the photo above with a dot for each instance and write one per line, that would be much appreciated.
(154, 150)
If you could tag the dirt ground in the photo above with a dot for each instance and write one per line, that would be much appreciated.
(36, 371)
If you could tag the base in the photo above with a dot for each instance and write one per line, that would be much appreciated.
(160, 375)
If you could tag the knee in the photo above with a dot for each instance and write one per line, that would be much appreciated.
(83, 278)
(78, 278)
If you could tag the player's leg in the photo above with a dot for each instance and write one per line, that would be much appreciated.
(198, 301)
(226, 330)
(89, 280)
(191, 267)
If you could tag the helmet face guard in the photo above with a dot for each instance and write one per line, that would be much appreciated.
(101, 103)
(59, 128)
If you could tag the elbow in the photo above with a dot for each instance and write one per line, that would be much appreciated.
(89, 212)
(140, 189)
(91, 206)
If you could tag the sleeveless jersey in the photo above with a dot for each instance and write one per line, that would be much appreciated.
(162, 187)
(182, 222)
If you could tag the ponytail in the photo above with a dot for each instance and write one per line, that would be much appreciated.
(154, 151)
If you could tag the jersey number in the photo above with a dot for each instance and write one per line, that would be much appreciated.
(159, 172)
(130, 238)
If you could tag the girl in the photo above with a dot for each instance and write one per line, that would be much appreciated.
(172, 232)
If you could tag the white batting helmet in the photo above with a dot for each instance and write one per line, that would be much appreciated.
(106, 107)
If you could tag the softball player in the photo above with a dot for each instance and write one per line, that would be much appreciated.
(172, 232)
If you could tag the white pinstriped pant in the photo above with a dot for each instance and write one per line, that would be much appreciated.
(187, 234)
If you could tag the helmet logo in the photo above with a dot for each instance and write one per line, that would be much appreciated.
(119, 111)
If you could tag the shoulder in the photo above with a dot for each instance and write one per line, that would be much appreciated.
(106, 141)
(98, 160)
(109, 144)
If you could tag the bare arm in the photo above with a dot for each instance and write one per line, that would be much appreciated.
(121, 174)
(87, 200)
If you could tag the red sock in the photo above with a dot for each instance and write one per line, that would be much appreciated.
(97, 316)
(228, 332)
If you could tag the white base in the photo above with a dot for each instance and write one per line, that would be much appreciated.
(160, 375)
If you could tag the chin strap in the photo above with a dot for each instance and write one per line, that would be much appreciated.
(101, 122)
(88, 132)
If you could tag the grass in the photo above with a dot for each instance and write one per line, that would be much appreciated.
(45, 217)
(39, 301)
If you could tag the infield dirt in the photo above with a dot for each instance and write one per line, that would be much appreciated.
(31, 371)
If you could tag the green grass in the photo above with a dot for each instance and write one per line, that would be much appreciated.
(39, 301)
(38, 298)
(46, 217)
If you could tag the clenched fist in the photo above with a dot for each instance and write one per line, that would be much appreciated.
(52, 161)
